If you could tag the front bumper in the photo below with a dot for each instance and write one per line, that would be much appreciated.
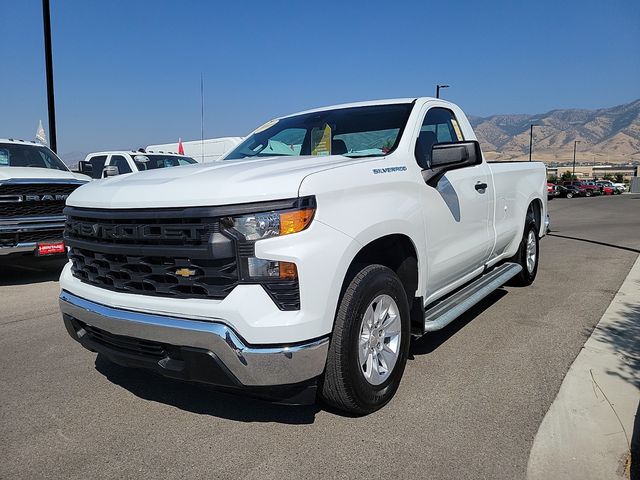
(22, 235)
(207, 352)
(26, 247)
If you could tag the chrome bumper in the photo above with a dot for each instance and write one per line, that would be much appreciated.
(16, 226)
(29, 247)
(251, 366)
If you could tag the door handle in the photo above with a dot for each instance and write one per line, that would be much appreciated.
(481, 186)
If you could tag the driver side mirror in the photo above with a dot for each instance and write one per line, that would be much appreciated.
(451, 156)
(110, 171)
(455, 155)
(85, 167)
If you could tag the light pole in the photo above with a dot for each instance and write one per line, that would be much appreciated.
(49, 72)
(573, 174)
(531, 139)
(438, 87)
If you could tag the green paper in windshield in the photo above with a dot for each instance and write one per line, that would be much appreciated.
(321, 140)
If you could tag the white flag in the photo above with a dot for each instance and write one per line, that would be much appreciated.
(40, 135)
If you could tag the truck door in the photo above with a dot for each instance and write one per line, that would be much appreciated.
(456, 213)
(121, 162)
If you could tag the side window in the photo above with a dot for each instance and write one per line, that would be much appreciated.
(97, 164)
(120, 162)
(439, 126)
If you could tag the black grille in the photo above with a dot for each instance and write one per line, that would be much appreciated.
(155, 275)
(158, 254)
(122, 344)
(10, 239)
(164, 252)
(148, 231)
(31, 209)
(29, 200)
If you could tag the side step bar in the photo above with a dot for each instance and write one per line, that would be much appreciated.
(446, 311)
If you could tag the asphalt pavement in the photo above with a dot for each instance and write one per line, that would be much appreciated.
(471, 400)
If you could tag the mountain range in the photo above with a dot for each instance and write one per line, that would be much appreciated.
(606, 135)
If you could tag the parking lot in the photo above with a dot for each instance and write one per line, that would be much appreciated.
(469, 406)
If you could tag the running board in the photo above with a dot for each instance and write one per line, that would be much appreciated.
(446, 311)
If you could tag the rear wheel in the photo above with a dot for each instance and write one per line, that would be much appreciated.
(587, 193)
(528, 254)
(370, 342)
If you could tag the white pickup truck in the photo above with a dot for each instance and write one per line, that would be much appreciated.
(109, 164)
(303, 261)
(34, 184)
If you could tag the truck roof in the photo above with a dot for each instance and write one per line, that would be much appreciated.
(133, 153)
(389, 101)
(21, 142)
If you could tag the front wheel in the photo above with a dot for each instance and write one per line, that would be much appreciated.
(370, 342)
(528, 255)
(569, 195)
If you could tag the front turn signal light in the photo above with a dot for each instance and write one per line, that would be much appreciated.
(288, 271)
(295, 221)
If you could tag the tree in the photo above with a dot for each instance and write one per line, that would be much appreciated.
(608, 176)
(566, 176)
(552, 178)
(619, 177)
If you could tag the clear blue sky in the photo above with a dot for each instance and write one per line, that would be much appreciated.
(127, 73)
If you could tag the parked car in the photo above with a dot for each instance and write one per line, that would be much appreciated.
(34, 184)
(622, 187)
(570, 191)
(108, 164)
(589, 188)
(618, 188)
(290, 271)
(552, 191)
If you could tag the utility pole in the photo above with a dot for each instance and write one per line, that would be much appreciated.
(573, 174)
(531, 140)
(438, 87)
(49, 74)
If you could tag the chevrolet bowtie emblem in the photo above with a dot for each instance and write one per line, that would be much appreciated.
(185, 272)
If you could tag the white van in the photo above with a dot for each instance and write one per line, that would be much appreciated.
(207, 150)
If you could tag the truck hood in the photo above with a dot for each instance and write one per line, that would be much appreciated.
(24, 173)
(219, 183)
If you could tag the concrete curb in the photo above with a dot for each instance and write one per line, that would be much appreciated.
(587, 432)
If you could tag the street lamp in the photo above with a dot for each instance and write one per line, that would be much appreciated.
(438, 87)
(531, 139)
(573, 174)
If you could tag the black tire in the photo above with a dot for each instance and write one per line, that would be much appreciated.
(344, 385)
(569, 195)
(587, 193)
(526, 276)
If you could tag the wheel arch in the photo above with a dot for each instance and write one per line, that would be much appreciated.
(398, 252)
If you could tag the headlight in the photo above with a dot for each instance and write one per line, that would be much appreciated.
(249, 228)
(272, 224)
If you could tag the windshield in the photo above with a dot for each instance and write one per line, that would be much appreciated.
(352, 132)
(147, 161)
(25, 155)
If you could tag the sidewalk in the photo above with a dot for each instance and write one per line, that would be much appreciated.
(588, 431)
